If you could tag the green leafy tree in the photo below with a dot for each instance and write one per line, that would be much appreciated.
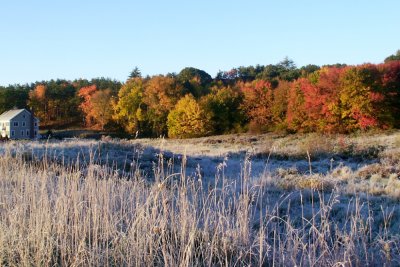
(305, 71)
(288, 70)
(11, 97)
(55, 103)
(195, 81)
(224, 105)
(135, 73)
(284, 70)
(393, 57)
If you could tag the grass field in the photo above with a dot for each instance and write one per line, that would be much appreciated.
(270, 200)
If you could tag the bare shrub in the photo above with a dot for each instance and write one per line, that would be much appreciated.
(317, 145)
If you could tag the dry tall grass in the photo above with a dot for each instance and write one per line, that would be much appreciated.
(88, 215)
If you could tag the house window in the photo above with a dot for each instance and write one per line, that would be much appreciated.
(12, 133)
(23, 116)
(35, 132)
(22, 132)
(23, 124)
(27, 132)
(35, 124)
(16, 123)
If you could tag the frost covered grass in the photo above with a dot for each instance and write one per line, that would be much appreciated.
(198, 202)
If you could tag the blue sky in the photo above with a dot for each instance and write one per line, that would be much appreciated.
(42, 40)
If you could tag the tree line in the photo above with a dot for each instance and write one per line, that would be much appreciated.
(282, 97)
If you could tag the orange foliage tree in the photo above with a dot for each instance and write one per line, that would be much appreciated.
(39, 101)
(160, 96)
(96, 106)
(257, 103)
(86, 94)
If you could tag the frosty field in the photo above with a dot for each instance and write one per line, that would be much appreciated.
(284, 200)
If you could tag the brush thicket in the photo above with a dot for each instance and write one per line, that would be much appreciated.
(90, 215)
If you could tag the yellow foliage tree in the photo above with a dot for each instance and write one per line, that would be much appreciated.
(188, 119)
(127, 110)
(102, 110)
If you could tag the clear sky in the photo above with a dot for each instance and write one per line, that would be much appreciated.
(50, 39)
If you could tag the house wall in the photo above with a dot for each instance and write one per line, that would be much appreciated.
(20, 125)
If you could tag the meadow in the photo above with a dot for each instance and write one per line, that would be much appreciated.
(232, 200)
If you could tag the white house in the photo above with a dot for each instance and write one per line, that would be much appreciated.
(19, 124)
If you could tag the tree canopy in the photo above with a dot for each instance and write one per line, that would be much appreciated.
(332, 98)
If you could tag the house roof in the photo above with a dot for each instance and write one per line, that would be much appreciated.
(8, 115)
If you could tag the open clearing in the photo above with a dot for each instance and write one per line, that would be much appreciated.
(304, 199)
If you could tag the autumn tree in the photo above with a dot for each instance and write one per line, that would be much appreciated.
(39, 101)
(296, 116)
(129, 109)
(279, 104)
(314, 102)
(360, 96)
(188, 119)
(55, 102)
(160, 96)
(102, 111)
(86, 106)
(328, 81)
(333, 98)
(257, 104)
(96, 106)
(224, 104)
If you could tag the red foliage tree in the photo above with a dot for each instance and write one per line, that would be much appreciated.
(329, 84)
(296, 113)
